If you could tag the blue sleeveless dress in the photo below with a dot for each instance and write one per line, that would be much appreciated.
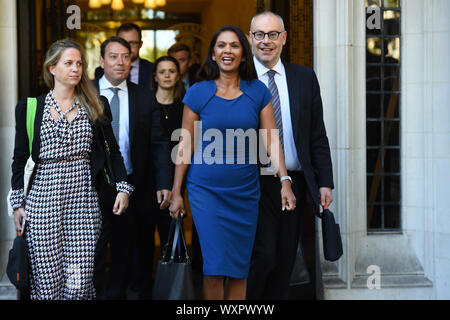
(222, 180)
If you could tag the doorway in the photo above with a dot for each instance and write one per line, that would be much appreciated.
(194, 22)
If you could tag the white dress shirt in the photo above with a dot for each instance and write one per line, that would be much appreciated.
(290, 150)
(124, 125)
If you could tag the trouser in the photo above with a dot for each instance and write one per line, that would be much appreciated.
(276, 240)
(145, 246)
(120, 232)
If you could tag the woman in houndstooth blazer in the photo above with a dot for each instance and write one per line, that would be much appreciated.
(62, 207)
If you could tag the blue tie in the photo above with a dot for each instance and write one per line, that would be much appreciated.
(115, 111)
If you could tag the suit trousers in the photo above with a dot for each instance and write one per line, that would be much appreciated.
(145, 246)
(120, 232)
(276, 240)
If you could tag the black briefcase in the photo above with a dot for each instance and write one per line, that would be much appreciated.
(17, 268)
(331, 236)
(173, 280)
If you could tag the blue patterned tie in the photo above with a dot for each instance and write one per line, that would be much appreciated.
(115, 111)
(276, 103)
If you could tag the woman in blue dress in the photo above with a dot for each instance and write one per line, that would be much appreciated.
(222, 175)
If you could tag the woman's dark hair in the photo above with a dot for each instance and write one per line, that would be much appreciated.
(179, 87)
(209, 69)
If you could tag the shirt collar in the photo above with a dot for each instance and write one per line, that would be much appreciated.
(262, 70)
(135, 63)
(103, 83)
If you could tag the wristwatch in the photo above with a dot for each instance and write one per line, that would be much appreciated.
(285, 178)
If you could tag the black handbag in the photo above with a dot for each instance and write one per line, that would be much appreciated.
(173, 280)
(107, 169)
(17, 268)
(331, 236)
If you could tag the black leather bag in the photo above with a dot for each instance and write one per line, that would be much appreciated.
(173, 280)
(107, 169)
(331, 236)
(17, 268)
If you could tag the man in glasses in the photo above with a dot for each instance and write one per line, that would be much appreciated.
(141, 69)
(298, 115)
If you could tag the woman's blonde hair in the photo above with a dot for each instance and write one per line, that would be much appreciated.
(85, 92)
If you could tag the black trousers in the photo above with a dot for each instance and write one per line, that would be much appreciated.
(145, 246)
(119, 232)
(276, 240)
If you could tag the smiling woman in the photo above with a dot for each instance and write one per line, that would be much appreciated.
(224, 196)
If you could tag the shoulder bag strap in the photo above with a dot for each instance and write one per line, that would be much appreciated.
(31, 115)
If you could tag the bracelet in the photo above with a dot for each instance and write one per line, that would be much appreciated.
(285, 178)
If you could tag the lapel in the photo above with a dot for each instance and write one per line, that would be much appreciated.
(294, 89)
(131, 110)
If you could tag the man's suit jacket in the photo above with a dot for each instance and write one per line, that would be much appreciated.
(308, 128)
(192, 74)
(145, 73)
(149, 149)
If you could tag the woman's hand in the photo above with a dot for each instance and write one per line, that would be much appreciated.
(19, 214)
(177, 206)
(288, 201)
(121, 203)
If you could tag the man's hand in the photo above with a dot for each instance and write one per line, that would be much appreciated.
(326, 196)
(163, 196)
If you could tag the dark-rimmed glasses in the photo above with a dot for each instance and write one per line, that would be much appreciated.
(273, 35)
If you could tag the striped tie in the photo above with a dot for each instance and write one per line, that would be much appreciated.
(276, 103)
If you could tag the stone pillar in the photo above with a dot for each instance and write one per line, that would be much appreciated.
(8, 100)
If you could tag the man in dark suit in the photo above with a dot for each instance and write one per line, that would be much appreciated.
(296, 96)
(141, 69)
(182, 53)
(137, 128)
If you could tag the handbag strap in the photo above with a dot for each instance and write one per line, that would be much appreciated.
(31, 115)
(107, 153)
(179, 230)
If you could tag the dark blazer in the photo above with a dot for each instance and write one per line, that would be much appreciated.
(98, 158)
(310, 137)
(192, 74)
(149, 148)
(145, 72)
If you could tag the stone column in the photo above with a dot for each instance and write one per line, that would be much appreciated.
(8, 100)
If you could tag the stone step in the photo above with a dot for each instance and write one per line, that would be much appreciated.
(7, 292)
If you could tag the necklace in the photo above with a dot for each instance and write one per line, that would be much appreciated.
(166, 108)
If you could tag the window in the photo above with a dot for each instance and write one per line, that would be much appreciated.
(383, 123)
